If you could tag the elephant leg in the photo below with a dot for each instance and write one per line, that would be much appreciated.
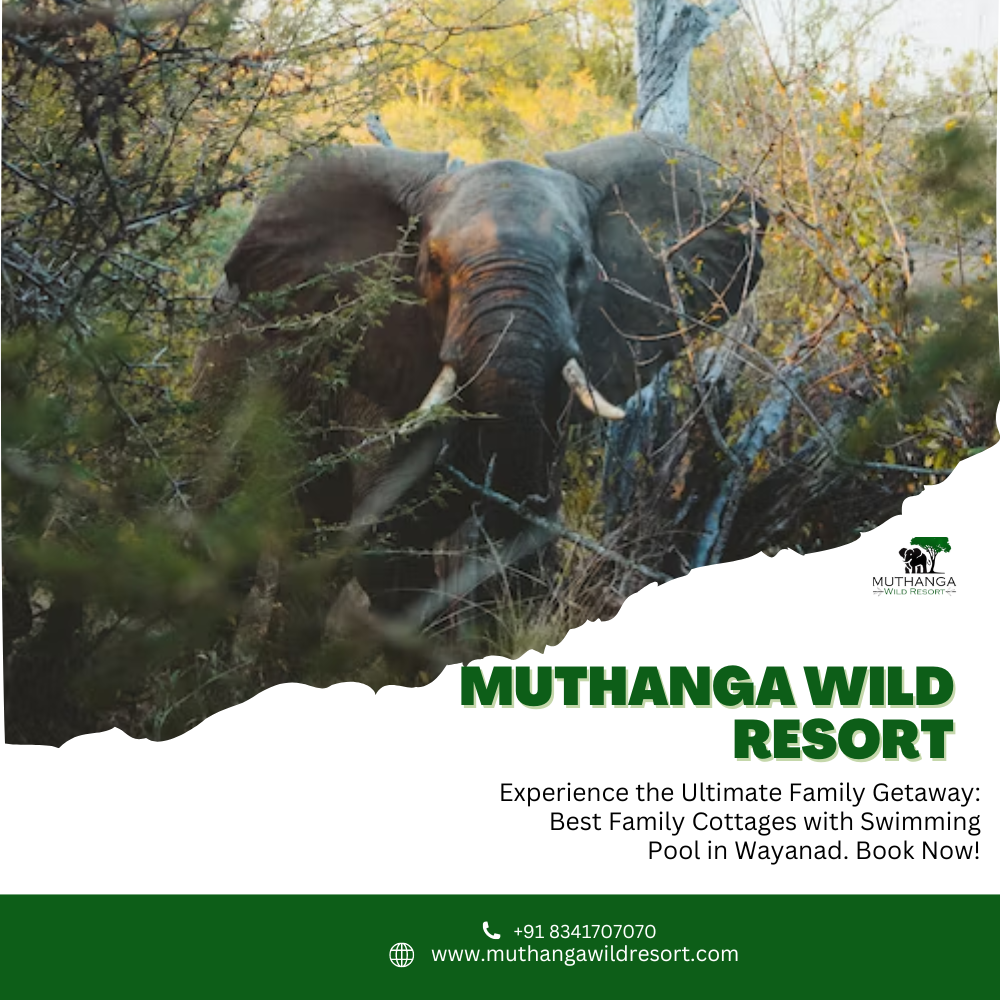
(394, 581)
(400, 571)
(388, 479)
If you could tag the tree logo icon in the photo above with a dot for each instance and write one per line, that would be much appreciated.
(922, 554)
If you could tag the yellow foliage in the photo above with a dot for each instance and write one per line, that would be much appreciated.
(468, 148)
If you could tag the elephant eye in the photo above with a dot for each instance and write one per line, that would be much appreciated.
(435, 267)
(435, 277)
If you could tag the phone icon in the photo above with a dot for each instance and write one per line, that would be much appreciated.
(486, 930)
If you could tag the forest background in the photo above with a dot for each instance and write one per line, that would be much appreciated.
(135, 143)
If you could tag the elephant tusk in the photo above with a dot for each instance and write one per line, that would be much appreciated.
(225, 296)
(589, 397)
(442, 390)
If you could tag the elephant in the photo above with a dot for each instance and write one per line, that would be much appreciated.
(546, 294)
(915, 559)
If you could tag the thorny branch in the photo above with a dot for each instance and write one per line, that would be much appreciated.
(556, 529)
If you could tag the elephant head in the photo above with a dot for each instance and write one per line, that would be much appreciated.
(545, 290)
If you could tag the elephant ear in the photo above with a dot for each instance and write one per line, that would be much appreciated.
(679, 243)
(344, 208)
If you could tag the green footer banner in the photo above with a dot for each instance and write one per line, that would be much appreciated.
(419, 945)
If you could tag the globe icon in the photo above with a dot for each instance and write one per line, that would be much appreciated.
(401, 955)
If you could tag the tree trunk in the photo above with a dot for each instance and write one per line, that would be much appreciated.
(667, 32)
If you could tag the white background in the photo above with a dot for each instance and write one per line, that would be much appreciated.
(340, 790)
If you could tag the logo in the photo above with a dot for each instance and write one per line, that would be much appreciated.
(922, 577)
(401, 955)
(924, 549)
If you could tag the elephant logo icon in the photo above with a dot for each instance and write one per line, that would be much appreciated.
(915, 560)
(922, 554)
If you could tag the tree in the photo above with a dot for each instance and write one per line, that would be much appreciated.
(933, 546)
(859, 371)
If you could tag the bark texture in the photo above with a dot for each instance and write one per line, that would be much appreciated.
(667, 33)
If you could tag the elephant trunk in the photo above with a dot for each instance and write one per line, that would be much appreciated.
(508, 363)
(514, 433)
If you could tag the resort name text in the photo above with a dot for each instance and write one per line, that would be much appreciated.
(731, 687)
